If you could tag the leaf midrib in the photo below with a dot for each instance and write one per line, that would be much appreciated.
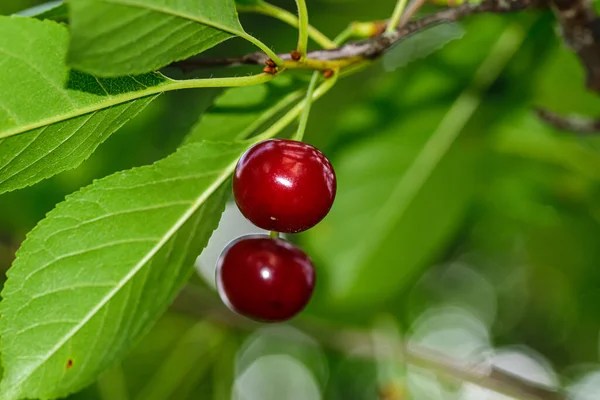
(225, 173)
(110, 102)
(165, 86)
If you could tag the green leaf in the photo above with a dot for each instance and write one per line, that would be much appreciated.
(119, 37)
(63, 116)
(94, 275)
(404, 208)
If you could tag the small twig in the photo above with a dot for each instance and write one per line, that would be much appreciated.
(307, 107)
(203, 304)
(191, 64)
(489, 377)
(572, 123)
(580, 26)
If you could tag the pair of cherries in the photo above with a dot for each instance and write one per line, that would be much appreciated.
(282, 186)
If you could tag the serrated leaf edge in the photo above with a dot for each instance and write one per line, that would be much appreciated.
(12, 391)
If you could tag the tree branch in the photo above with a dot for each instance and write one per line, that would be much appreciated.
(580, 28)
(370, 48)
(579, 23)
(196, 301)
(571, 123)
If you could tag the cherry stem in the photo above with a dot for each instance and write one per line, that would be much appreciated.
(290, 19)
(302, 27)
(274, 235)
(307, 106)
(292, 114)
(396, 16)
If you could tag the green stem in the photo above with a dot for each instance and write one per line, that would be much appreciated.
(344, 35)
(353, 69)
(307, 106)
(290, 19)
(167, 86)
(291, 115)
(396, 16)
(274, 235)
(303, 27)
(267, 50)
(236, 81)
(271, 113)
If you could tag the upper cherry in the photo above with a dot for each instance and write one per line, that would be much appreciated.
(284, 185)
(265, 279)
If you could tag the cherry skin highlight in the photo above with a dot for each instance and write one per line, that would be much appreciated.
(284, 185)
(265, 279)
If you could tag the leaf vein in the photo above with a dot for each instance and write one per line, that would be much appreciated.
(45, 323)
(167, 180)
(47, 153)
(14, 157)
(64, 289)
(127, 278)
(123, 212)
(59, 89)
(88, 250)
(121, 48)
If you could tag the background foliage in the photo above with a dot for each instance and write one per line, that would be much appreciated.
(461, 221)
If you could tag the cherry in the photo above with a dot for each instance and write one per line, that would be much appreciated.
(284, 185)
(265, 279)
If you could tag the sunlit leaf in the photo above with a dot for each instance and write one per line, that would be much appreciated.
(71, 113)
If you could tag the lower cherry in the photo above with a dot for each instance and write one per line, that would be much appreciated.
(265, 279)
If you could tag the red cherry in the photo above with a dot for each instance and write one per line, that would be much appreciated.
(284, 185)
(265, 279)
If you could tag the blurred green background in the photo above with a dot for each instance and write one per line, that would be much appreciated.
(462, 224)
